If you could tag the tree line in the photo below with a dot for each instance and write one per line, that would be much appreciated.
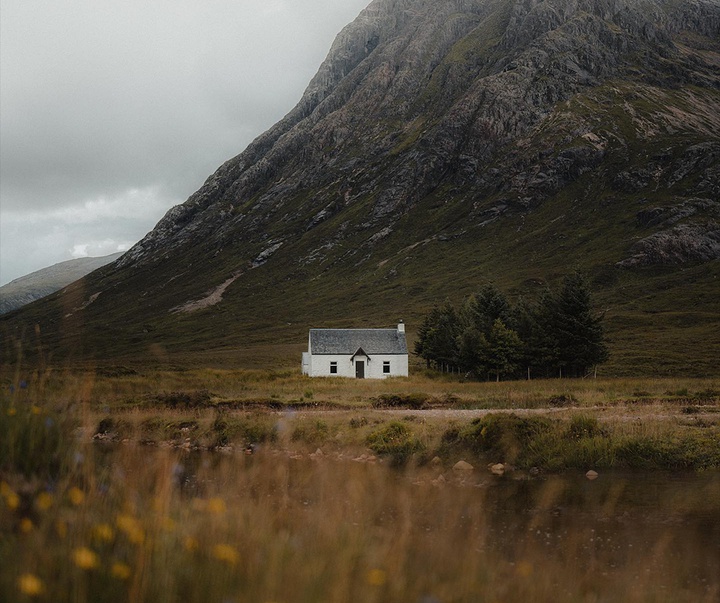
(559, 335)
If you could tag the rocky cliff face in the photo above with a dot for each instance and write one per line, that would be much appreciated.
(444, 136)
(509, 101)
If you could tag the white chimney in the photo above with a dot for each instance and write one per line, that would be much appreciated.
(401, 327)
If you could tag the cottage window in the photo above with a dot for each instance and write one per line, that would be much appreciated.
(386, 367)
(333, 368)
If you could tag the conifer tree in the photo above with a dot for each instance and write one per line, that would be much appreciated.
(558, 336)
(503, 351)
(579, 330)
(437, 337)
(481, 310)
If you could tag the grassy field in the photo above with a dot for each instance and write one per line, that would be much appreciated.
(238, 486)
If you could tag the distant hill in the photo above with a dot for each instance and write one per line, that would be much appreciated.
(443, 145)
(43, 282)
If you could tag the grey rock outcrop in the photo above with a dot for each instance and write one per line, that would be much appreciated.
(417, 95)
(686, 243)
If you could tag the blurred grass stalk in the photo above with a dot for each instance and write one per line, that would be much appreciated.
(81, 523)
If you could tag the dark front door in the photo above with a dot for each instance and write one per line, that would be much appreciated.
(360, 369)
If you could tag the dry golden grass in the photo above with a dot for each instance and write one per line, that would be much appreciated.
(164, 526)
(108, 521)
(121, 386)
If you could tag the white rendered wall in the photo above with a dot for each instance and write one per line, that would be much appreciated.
(319, 366)
(306, 363)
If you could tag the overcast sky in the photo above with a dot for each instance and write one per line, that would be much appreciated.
(113, 112)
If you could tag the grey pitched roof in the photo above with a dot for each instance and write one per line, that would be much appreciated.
(347, 341)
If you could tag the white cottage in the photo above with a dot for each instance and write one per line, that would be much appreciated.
(359, 353)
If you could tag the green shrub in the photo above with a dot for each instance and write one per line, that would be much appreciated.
(396, 439)
(589, 452)
(357, 422)
(560, 400)
(708, 395)
(181, 429)
(254, 429)
(34, 441)
(681, 393)
(192, 399)
(414, 401)
(153, 426)
(583, 426)
(113, 428)
(310, 431)
(645, 453)
(506, 435)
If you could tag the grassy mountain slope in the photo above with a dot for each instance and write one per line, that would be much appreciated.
(443, 145)
(40, 283)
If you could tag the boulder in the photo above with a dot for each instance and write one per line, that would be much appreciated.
(498, 468)
(462, 466)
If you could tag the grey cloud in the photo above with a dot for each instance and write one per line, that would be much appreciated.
(100, 98)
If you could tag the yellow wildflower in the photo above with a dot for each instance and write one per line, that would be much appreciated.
(103, 532)
(85, 558)
(216, 506)
(30, 585)
(12, 500)
(36, 410)
(226, 553)
(376, 577)
(121, 571)
(191, 544)
(131, 527)
(43, 501)
(524, 569)
(11, 412)
(76, 496)
(26, 525)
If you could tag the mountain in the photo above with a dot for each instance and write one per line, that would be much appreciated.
(444, 144)
(40, 283)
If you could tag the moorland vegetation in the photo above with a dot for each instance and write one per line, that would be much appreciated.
(269, 486)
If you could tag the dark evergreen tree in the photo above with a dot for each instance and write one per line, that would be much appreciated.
(524, 322)
(579, 331)
(543, 343)
(472, 346)
(437, 338)
(559, 336)
(503, 351)
(481, 310)
(478, 315)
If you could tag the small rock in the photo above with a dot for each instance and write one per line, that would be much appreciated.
(462, 466)
(591, 474)
(436, 461)
(498, 468)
